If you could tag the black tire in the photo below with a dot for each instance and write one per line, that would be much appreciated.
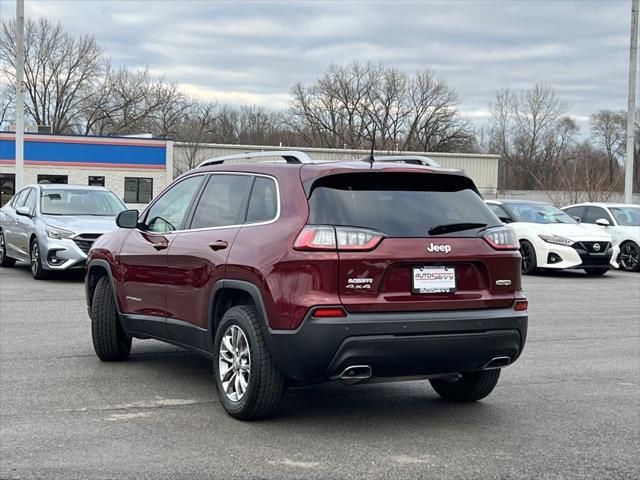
(35, 260)
(110, 341)
(529, 258)
(469, 387)
(264, 385)
(595, 272)
(629, 258)
(4, 260)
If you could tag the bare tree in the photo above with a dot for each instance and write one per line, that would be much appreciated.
(410, 112)
(60, 71)
(531, 134)
(127, 102)
(608, 129)
(6, 105)
(196, 127)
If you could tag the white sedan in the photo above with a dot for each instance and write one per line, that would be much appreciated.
(551, 239)
(621, 220)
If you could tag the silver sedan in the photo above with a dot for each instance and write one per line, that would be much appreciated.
(53, 226)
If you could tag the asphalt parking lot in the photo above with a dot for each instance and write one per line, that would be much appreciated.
(570, 407)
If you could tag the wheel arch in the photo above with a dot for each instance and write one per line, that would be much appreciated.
(95, 271)
(229, 293)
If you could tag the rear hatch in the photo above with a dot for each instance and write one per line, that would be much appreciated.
(412, 241)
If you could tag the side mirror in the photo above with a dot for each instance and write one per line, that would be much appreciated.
(505, 219)
(577, 219)
(24, 211)
(127, 219)
(603, 222)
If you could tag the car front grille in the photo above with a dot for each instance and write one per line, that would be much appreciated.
(593, 256)
(85, 241)
(592, 248)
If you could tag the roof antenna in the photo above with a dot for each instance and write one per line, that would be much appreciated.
(373, 144)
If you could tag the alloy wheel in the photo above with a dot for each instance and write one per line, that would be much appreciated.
(629, 256)
(525, 251)
(35, 258)
(2, 246)
(234, 363)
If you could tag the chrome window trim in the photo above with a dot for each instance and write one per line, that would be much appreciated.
(253, 224)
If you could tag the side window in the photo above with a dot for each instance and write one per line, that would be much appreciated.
(576, 212)
(263, 205)
(30, 201)
(223, 201)
(20, 198)
(596, 213)
(170, 210)
(498, 210)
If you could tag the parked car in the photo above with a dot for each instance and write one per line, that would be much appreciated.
(53, 226)
(621, 220)
(551, 239)
(303, 272)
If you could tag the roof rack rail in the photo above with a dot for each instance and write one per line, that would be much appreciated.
(289, 156)
(412, 159)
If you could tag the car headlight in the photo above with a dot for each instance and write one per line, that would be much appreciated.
(557, 240)
(58, 233)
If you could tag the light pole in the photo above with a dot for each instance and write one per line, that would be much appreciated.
(19, 99)
(631, 107)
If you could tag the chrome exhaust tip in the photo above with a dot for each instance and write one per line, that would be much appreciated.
(497, 362)
(355, 374)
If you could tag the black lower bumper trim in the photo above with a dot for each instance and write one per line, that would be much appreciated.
(399, 344)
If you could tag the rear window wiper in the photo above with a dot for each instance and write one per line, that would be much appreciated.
(454, 227)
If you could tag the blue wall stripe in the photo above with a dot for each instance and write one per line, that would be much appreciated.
(85, 153)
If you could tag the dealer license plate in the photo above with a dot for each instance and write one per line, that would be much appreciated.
(433, 280)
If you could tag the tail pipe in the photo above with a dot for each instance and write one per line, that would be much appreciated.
(355, 374)
(497, 362)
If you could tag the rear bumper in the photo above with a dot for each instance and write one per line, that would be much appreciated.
(399, 344)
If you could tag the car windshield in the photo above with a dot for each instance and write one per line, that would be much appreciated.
(627, 216)
(537, 213)
(80, 202)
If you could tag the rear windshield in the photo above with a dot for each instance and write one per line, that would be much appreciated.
(80, 202)
(399, 204)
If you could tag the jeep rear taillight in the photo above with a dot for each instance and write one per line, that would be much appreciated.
(501, 238)
(325, 237)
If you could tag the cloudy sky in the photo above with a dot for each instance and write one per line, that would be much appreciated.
(253, 52)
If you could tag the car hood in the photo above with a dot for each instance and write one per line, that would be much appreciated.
(81, 223)
(572, 231)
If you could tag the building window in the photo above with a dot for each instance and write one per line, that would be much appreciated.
(96, 181)
(7, 187)
(53, 179)
(138, 190)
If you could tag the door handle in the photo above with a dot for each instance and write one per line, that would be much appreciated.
(218, 245)
(161, 245)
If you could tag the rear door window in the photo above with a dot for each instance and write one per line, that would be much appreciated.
(596, 213)
(223, 202)
(263, 205)
(398, 204)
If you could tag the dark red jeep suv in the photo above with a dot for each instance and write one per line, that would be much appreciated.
(296, 272)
